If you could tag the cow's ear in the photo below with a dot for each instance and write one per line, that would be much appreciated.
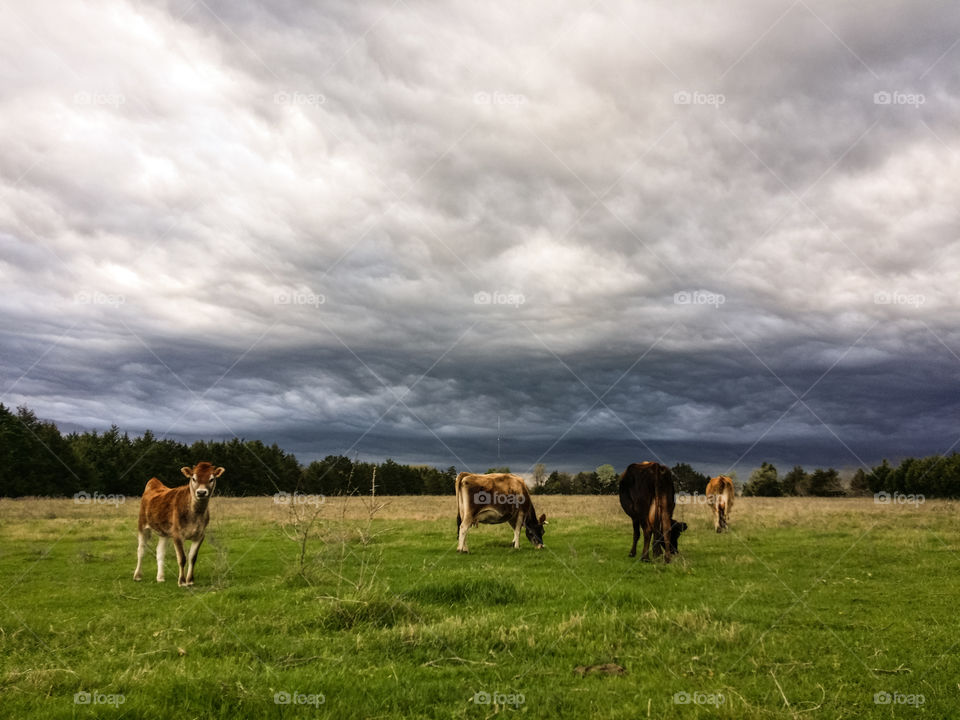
(188, 472)
(543, 519)
(218, 472)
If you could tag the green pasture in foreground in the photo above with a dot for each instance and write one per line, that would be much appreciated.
(806, 608)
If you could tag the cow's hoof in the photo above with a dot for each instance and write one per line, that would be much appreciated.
(137, 578)
(181, 583)
(644, 559)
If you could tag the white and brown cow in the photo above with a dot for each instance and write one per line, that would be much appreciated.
(720, 494)
(180, 513)
(496, 498)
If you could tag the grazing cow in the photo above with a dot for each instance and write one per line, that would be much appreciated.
(180, 513)
(496, 498)
(720, 494)
(647, 496)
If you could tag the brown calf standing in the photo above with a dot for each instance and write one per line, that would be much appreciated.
(180, 513)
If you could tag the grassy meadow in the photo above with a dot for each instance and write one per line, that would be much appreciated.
(834, 608)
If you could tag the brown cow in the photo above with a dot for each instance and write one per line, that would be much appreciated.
(496, 498)
(720, 494)
(180, 513)
(647, 496)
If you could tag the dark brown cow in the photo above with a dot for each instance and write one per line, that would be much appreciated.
(647, 496)
(720, 494)
(496, 498)
(180, 513)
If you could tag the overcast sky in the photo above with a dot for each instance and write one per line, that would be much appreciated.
(481, 234)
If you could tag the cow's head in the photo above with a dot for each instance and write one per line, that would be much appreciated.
(675, 530)
(203, 478)
(534, 529)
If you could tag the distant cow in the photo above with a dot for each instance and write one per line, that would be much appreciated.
(496, 498)
(180, 513)
(647, 496)
(720, 494)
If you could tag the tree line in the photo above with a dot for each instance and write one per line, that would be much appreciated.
(933, 476)
(37, 459)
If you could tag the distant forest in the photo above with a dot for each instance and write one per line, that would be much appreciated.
(37, 459)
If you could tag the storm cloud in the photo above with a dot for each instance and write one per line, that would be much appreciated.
(496, 235)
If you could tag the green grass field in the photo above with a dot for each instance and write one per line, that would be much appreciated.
(806, 608)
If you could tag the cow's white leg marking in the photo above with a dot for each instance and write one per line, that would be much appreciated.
(462, 543)
(161, 554)
(516, 531)
(142, 537)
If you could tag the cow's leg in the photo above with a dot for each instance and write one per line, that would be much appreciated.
(647, 532)
(181, 561)
(636, 536)
(192, 558)
(143, 537)
(161, 554)
(516, 531)
(459, 522)
(462, 538)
